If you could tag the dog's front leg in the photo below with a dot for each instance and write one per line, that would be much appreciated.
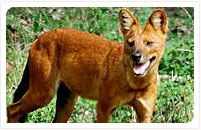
(144, 110)
(104, 109)
(144, 103)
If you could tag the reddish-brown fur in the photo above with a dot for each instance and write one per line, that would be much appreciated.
(83, 64)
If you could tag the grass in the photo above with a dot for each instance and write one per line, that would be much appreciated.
(175, 91)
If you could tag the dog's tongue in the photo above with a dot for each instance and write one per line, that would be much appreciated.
(141, 68)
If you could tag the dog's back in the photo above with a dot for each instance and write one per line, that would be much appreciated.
(81, 59)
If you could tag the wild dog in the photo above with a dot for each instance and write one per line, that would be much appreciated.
(74, 63)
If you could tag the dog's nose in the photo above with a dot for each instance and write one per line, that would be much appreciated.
(136, 56)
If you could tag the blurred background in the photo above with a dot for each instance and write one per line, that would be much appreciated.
(175, 92)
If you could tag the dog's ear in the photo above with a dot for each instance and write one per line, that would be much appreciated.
(158, 20)
(127, 20)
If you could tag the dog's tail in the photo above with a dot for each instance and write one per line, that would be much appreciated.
(22, 88)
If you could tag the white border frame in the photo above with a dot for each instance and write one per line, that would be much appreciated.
(193, 124)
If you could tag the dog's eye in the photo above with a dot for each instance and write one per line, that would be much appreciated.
(149, 44)
(131, 43)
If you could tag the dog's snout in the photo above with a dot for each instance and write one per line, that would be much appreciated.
(136, 56)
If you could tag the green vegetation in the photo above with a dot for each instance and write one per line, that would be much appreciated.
(175, 92)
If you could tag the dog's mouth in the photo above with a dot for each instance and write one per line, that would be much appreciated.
(140, 69)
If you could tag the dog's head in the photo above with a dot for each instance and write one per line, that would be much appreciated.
(144, 46)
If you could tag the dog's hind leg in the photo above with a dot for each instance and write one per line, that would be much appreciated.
(64, 104)
(43, 83)
(32, 100)
(22, 89)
